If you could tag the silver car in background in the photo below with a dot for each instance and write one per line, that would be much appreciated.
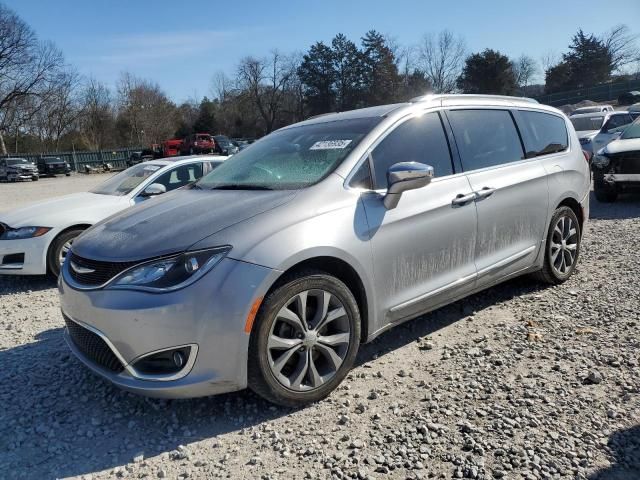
(270, 271)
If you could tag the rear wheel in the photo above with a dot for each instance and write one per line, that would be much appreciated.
(59, 249)
(305, 340)
(562, 248)
(35, 178)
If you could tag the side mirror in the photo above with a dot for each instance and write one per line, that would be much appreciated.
(153, 190)
(405, 176)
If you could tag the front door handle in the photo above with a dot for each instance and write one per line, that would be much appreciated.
(461, 199)
(485, 192)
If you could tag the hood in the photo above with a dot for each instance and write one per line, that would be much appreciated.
(587, 133)
(173, 222)
(23, 166)
(76, 208)
(623, 146)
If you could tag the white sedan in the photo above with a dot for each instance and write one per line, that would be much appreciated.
(34, 240)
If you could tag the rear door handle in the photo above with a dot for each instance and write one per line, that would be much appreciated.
(485, 192)
(461, 199)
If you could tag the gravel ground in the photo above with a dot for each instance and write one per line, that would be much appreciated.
(17, 194)
(522, 381)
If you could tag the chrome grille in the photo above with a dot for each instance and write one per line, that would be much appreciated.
(93, 273)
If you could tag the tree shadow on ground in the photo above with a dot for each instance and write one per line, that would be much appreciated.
(624, 446)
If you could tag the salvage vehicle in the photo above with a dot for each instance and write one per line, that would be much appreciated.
(629, 98)
(171, 148)
(329, 232)
(14, 169)
(198, 143)
(224, 146)
(592, 109)
(35, 240)
(590, 126)
(616, 168)
(53, 166)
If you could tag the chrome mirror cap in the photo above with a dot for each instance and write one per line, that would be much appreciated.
(154, 189)
(405, 176)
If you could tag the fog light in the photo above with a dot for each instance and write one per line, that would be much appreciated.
(166, 362)
(178, 359)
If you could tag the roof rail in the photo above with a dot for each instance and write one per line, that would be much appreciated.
(448, 96)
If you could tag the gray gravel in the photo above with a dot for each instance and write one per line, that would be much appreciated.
(17, 194)
(522, 381)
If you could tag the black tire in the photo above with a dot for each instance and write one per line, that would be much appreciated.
(35, 179)
(67, 174)
(53, 266)
(260, 377)
(548, 273)
(604, 193)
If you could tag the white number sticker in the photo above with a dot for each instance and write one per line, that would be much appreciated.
(330, 145)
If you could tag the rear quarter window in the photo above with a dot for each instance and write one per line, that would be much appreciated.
(544, 133)
(485, 138)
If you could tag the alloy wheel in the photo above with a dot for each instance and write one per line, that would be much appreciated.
(309, 340)
(62, 255)
(564, 245)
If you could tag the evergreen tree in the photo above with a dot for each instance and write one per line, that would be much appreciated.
(381, 72)
(317, 74)
(489, 72)
(348, 65)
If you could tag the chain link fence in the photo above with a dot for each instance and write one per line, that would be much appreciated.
(598, 93)
(78, 160)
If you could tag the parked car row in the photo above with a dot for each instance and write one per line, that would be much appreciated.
(596, 130)
(15, 169)
(272, 269)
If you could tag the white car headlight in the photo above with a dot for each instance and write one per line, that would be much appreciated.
(23, 232)
(600, 161)
(170, 273)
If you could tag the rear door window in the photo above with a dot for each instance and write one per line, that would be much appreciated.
(421, 139)
(546, 133)
(485, 138)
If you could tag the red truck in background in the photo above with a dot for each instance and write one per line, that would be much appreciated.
(171, 148)
(198, 143)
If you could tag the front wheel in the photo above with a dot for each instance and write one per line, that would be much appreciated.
(59, 249)
(562, 247)
(305, 340)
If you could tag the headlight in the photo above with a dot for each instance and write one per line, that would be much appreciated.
(170, 273)
(600, 161)
(23, 232)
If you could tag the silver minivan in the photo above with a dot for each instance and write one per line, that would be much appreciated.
(270, 271)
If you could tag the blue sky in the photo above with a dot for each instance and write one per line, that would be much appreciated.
(181, 44)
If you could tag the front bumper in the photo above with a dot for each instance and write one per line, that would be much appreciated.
(622, 178)
(34, 251)
(211, 314)
(24, 175)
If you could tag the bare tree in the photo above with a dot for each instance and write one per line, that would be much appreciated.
(221, 86)
(266, 81)
(549, 59)
(622, 46)
(97, 120)
(58, 109)
(525, 69)
(27, 67)
(145, 111)
(442, 58)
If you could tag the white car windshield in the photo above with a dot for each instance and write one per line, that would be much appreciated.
(124, 182)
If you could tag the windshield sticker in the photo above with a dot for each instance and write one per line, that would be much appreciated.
(152, 168)
(330, 145)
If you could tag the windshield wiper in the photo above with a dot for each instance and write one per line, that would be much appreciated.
(235, 186)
